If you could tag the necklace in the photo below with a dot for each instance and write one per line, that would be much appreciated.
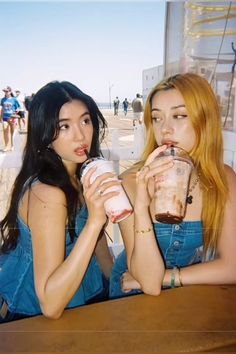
(189, 198)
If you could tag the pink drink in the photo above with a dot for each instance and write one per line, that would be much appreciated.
(118, 207)
(171, 187)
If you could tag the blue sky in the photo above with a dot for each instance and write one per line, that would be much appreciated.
(92, 44)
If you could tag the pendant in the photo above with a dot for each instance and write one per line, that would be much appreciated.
(189, 199)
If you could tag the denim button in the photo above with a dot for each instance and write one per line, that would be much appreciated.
(177, 227)
(176, 243)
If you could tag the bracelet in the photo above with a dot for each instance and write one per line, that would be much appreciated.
(180, 278)
(143, 231)
(172, 277)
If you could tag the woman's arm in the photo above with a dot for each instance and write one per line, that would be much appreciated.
(104, 256)
(143, 256)
(145, 262)
(1, 113)
(57, 278)
(222, 269)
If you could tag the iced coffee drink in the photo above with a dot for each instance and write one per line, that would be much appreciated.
(117, 207)
(171, 187)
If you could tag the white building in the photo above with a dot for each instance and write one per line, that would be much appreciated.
(150, 77)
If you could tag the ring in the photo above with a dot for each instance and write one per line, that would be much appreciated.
(99, 191)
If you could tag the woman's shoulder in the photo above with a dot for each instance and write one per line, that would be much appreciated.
(231, 178)
(230, 173)
(47, 192)
(228, 169)
(44, 193)
(42, 196)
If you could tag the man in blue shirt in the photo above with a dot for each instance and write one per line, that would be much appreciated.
(9, 106)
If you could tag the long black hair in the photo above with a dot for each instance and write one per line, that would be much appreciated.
(41, 162)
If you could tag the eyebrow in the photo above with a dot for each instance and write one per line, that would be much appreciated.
(174, 107)
(82, 115)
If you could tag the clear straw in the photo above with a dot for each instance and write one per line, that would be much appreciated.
(87, 154)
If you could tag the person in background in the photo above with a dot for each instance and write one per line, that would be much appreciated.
(116, 104)
(8, 117)
(181, 110)
(54, 253)
(125, 106)
(21, 111)
(137, 106)
(28, 100)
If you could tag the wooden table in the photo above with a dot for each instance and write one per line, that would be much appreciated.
(188, 319)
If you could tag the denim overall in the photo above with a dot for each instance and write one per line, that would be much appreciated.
(180, 244)
(17, 277)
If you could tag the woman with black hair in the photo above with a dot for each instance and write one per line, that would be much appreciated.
(54, 253)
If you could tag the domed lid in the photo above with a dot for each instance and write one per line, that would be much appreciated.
(177, 152)
(88, 161)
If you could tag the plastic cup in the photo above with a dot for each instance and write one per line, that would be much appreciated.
(118, 207)
(171, 187)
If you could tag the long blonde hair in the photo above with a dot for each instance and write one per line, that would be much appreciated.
(207, 153)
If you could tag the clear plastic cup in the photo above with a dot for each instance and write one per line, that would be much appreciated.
(118, 207)
(171, 187)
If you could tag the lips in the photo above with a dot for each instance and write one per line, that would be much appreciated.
(168, 142)
(80, 151)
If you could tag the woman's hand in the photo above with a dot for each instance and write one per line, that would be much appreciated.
(144, 177)
(128, 283)
(97, 193)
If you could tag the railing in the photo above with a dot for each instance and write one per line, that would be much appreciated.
(118, 153)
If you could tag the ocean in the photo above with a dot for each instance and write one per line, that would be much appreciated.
(104, 105)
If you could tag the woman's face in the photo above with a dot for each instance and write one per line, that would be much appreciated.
(171, 123)
(75, 132)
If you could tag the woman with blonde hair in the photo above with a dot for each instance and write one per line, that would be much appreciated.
(181, 110)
